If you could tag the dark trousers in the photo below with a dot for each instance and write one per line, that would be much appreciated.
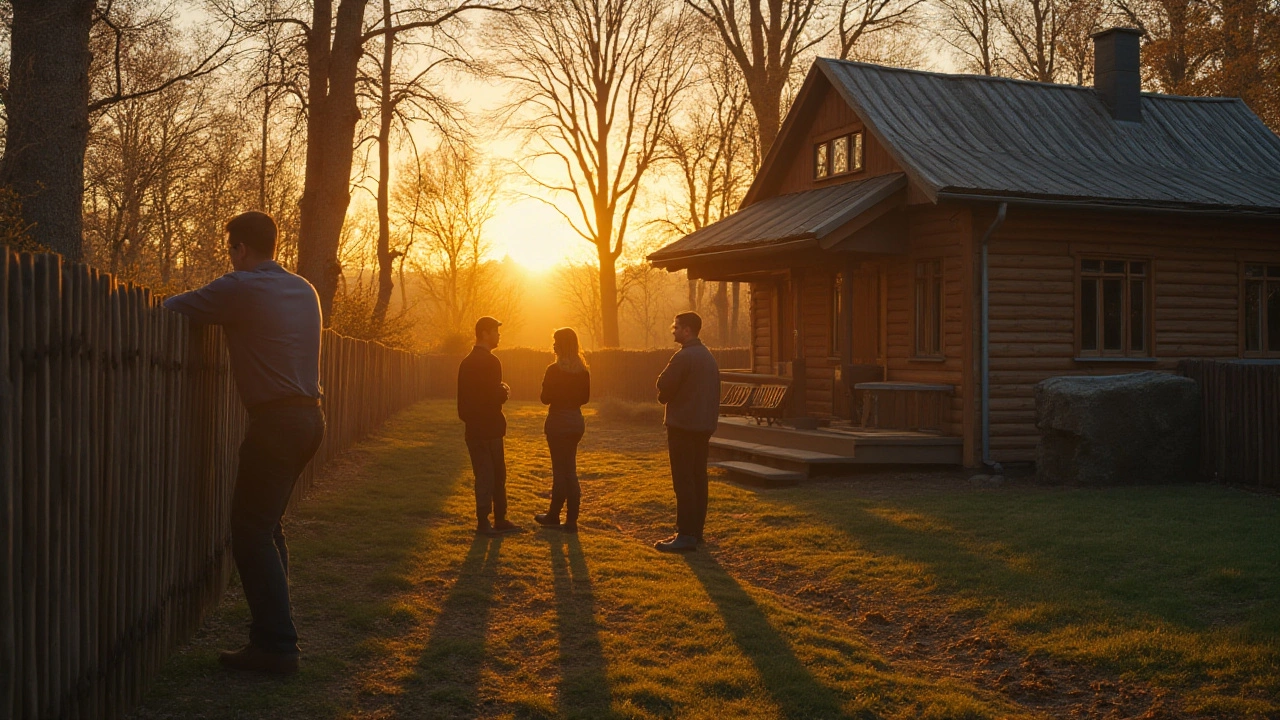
(564, 473)
(688, 452)
(278, 444)
(489, 465)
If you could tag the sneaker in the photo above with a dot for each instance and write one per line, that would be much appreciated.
(678, 544)
(547, 520)
(484, 528)
(253, 659)
(569, 527)
(501, 527)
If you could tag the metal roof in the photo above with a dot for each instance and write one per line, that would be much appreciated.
(987, 136)
(809, 215)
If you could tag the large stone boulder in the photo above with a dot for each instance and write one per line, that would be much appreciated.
(1139, 428)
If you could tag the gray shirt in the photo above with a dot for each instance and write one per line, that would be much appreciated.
(272, 321)
(690, 388)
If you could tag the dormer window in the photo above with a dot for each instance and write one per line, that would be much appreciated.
(839, 156)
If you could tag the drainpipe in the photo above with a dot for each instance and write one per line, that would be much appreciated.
(986, 338)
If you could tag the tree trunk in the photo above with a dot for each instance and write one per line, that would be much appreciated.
(48, 116)
(765, 102)
(721, 303)
(608, 298)
(387, 108)
(331, 126)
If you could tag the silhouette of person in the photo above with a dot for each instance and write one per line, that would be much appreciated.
(690, 388)
(272, 322)
(481, 394)
(566, 387)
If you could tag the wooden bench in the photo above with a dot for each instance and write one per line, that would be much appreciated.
(903, 405)
(763, 398)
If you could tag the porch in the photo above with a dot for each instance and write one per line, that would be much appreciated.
(779, 455)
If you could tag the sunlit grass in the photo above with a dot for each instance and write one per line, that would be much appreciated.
(807, 603)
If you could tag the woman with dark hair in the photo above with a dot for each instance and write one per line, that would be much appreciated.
(566, 387)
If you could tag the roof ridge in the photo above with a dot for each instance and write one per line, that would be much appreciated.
(1019, 81)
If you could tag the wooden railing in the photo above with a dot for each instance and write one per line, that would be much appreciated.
(1239, 420)
(119, 428)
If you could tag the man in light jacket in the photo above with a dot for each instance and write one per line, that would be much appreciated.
(690, 388)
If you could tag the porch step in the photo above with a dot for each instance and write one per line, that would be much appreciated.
(854, 446)
(806, 462)
(749, 473)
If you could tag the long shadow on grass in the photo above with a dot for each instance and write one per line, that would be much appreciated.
(796, 691)
(584, 684)
(450, 666)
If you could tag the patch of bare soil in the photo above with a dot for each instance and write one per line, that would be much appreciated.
(925, 637)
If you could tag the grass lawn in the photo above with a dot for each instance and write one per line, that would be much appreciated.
(886, 595)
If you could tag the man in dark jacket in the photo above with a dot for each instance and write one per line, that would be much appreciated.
(690, 388)
(481, 394)
(271, 318)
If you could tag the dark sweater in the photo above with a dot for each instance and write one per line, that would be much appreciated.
(481, 395)
(565, 393)
(690, 388)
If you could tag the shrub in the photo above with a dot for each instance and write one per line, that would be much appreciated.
(629, 411)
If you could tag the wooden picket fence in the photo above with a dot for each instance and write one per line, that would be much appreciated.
(1239, 421)
(615, 373)
(119, 429)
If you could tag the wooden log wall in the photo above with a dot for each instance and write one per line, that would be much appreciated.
(1195, 276)
(934, 233)
(622, 374)
(1239, 421)
(119, 431)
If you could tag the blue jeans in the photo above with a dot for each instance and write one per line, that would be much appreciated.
(278, 444)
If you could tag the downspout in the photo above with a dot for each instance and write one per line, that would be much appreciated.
(986, 337)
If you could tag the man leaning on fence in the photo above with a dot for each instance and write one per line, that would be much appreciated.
(690, 388)
(272, 322)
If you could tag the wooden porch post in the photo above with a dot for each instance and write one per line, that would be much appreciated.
(845, 321)
(798, 380)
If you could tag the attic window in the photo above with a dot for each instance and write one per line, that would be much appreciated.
(838, 156)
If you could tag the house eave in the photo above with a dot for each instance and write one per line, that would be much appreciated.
(1109, 205)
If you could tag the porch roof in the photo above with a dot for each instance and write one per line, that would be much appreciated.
(820, 216)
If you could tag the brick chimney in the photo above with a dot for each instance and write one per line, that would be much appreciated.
(1116, 75)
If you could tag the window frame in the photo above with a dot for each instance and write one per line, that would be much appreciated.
(1266, 279)
(856, 148)
(1099, 352)
(939, 279)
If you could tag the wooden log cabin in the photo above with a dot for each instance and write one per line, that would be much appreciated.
(964, 237)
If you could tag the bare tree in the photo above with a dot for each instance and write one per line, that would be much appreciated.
(1178, 40)
(334, 43)
(713, 149)
(971, 28)
(857, 20)
(765, 39)
(1075, 45)
(1033, 31)
(596, 83)
(444, 209)
(400, 100)
(49, 104)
